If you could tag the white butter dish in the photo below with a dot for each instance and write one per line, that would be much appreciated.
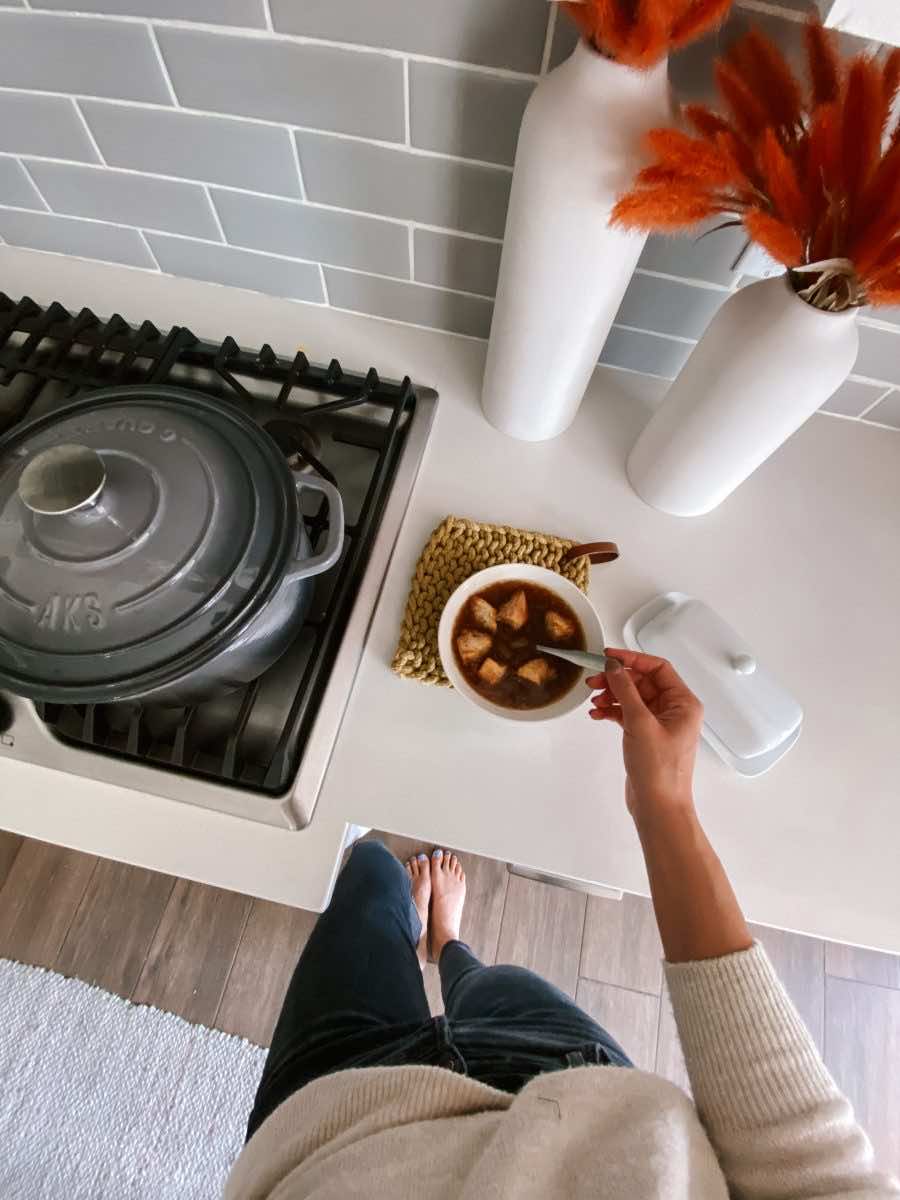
(750, 719)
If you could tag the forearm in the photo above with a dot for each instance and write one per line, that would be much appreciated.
(696, 910)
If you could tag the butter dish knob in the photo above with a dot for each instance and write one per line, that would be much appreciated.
(744, 664)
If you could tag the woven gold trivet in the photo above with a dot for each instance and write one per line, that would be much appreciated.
(457, 549)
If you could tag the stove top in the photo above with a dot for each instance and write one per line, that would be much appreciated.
(260, 752)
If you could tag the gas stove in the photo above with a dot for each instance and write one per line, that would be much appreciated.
(260, 752)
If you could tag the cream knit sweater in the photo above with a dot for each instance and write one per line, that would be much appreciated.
(769, 1121)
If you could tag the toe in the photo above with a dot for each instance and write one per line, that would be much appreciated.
(412, 867)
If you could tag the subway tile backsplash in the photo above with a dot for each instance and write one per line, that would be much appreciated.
(338, 152)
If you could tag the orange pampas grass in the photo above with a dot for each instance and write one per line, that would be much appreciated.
(813, 172)
(638, 33)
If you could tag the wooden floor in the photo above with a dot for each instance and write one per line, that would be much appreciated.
(224, 960)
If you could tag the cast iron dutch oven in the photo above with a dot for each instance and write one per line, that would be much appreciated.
(152, 547)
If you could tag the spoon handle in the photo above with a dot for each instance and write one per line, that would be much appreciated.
(581, 658)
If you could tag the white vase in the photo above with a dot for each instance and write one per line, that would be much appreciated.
(564, 270)
(764, 365)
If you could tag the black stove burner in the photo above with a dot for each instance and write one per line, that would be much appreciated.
(347, 427)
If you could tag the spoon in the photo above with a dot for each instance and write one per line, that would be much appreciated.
(581, 658)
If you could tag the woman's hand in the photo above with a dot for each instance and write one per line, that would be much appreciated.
(661, 719)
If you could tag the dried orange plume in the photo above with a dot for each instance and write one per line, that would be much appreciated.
(878, 213)
(705, 16)
(890, 76)
(812, 175)
(823, 63)
(749, 115)
(863, 121)
(640, 33)
(705, 121)
(769, 77)
(776, 238)
(674, 206)
(782, 185)
(692, 157)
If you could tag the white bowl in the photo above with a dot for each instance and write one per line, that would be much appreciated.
(578, 694)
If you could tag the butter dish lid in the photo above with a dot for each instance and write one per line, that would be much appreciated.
(750, 718)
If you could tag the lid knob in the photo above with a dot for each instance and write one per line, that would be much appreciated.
(61, 480)
(744, 664)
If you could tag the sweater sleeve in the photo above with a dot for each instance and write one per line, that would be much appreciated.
(779, 1124)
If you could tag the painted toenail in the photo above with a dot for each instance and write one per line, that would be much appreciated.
(422, 857)
(437, 854)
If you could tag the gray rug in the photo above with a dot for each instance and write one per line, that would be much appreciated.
(103, 1098)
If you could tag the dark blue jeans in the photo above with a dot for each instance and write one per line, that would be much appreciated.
(357, 1000)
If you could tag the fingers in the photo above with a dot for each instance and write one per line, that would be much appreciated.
(660, 670)
(606, 714)
(622, 685)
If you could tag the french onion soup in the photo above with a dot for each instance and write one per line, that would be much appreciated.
(495, 640)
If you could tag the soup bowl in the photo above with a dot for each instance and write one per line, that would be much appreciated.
(577, 696)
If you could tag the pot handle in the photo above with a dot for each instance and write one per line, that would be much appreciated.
(334, 544)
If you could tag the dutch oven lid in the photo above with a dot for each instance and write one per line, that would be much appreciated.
(135, 526)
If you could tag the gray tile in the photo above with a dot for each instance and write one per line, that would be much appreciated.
(213, 149)
(248, 13)
(46, 125)
(67, 235)
(236, 268)
(125, 198)
(852, 398)
(492, 33)
(707, 257)
(662, 306)
(887, 412)
(879, 354)
(319, 234)
(463, 112)
(408, 302)
(645, 353)
(16, 188)
(67, 54)
(318, 86)
(467, 264)
(565, 39)
(434, 191)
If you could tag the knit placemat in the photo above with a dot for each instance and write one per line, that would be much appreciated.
(457, 549)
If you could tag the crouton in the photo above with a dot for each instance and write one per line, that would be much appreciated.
(483, 614)
(514, 612)
(472, 646)
(558, 626)
(536, 670)
(491, 672)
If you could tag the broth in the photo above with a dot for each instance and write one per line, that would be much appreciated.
(510, 648)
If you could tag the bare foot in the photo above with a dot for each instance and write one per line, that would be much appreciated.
(420, 883)
(448, 886)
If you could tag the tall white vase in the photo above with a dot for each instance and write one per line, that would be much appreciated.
(764, 365)
(563, 270)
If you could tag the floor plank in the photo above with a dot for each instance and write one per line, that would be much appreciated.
(10, 844)
(621, 944)
(631, 1017)
(669, 1059)
(270, 946)
(39, 899)
(113, 929)
(192, 953)
(542, 928)
(862, 1050)
(865, 966)
(432, 980)
(800, 963)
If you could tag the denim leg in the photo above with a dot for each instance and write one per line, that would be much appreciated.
(517, 1000)
(358, 979)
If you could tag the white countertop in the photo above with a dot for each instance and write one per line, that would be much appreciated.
(804, 560)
